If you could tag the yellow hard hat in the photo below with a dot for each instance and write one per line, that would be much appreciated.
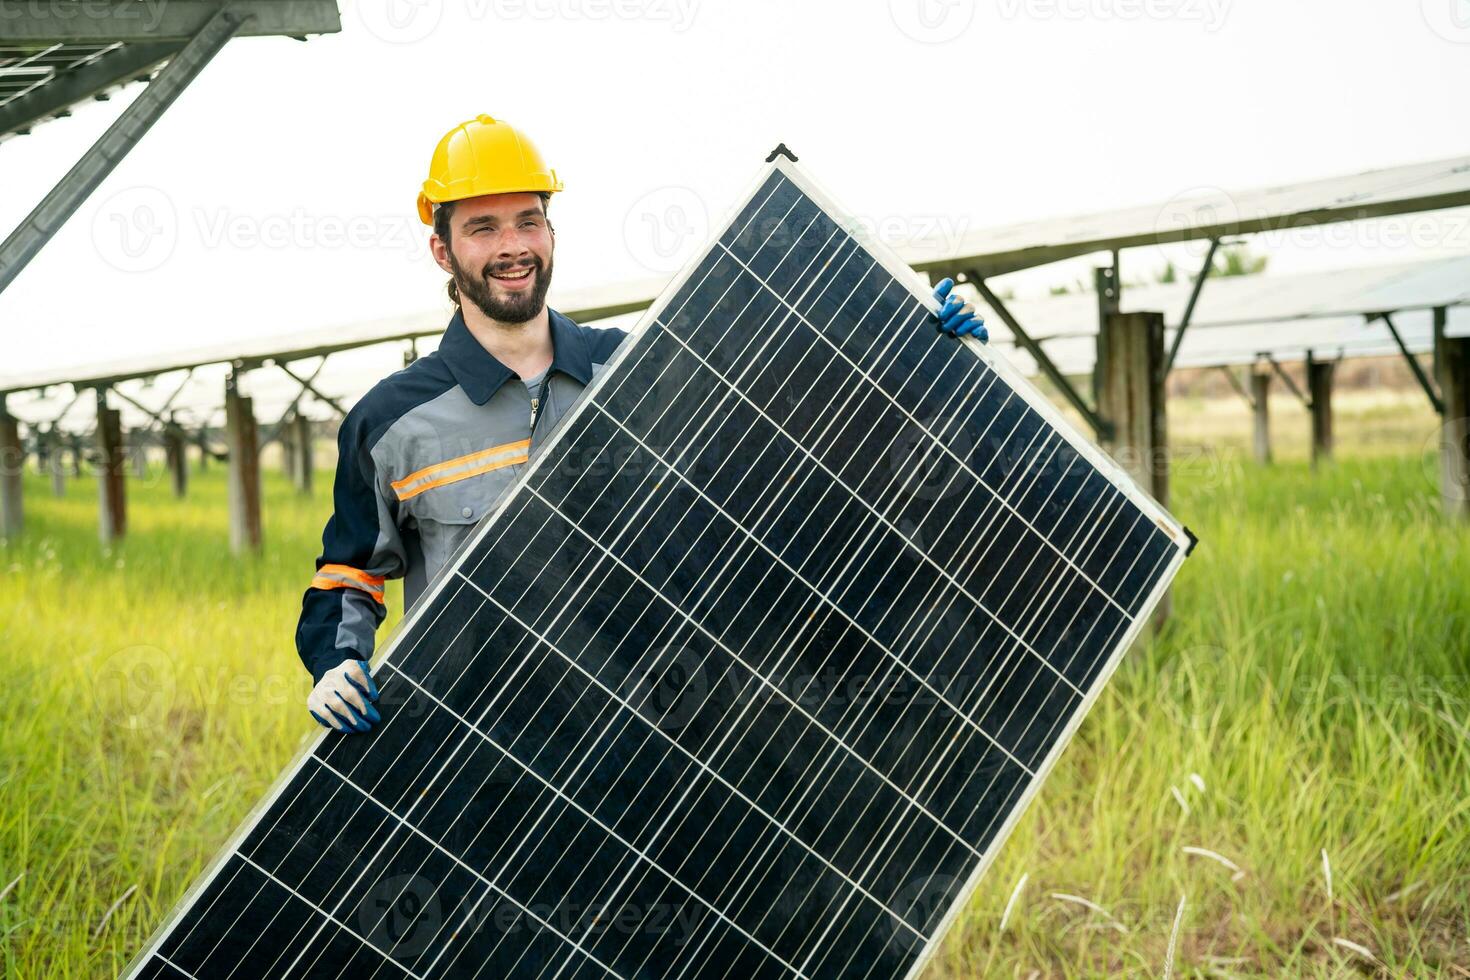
(483, 156)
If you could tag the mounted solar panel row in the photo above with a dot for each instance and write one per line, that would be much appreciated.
(748, 676)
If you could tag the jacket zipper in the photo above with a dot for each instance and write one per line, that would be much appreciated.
(537, 401)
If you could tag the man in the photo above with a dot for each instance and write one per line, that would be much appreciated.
(425, 453)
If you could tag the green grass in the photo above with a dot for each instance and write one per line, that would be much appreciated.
(1315, 677)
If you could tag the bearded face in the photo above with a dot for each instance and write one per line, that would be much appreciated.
(499, 252)
(508, 292)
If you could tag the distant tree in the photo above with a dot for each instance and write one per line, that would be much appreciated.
(1076, 286)
(1238, 260)
(1169, 274)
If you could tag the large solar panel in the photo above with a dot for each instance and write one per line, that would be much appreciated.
(749, 675)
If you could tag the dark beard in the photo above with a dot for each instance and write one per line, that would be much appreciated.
(519, 308)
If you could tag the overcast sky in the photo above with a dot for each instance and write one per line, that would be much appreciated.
(278, 192)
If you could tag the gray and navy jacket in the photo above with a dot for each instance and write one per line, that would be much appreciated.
(421, 458)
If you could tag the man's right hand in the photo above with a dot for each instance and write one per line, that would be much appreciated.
(343, 699)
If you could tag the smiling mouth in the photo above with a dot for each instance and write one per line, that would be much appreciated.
(514, 276)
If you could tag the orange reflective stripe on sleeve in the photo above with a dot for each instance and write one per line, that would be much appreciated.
(462, 468)
(347, 577)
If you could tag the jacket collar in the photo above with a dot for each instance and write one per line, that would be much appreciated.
(481, 374)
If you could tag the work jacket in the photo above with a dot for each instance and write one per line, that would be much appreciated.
(421, 458)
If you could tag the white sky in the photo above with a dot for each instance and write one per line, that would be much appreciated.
(278, 192)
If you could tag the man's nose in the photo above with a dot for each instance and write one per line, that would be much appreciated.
(512, 245)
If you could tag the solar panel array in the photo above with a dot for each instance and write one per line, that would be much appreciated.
(748, 676)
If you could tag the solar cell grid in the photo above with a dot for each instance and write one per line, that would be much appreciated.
(749, 674)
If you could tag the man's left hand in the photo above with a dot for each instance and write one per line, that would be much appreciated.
(956, 316)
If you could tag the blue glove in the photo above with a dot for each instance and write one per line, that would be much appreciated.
(343, 701)
(956, 316)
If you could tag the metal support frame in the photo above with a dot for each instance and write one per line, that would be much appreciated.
(156, 418)
(94, 22)
(77, 84)
(56, 442)
(1287, 379)
(306, 383)
(1199, 284)
(1235, 383)
(62, 202)
(1414, 365)
(1043, 361)
(76, 397)
(278, 430)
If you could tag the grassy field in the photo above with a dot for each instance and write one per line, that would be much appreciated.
(1290, 756)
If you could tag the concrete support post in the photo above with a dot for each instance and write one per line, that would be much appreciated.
(1319, 399)
(12, 471)
(175, 454)
(1130, 389)
(1452, 358)
(244, 470)
(302, 459)
(288, 450)
(56, 463)
(42, 439)
(1131, 397)
(1261, 413)
(138, 450)
(112, 499)
(302, 453)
